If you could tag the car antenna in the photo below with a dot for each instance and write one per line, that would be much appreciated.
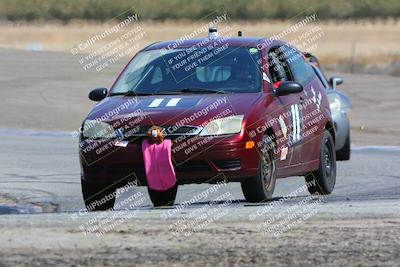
(240, 33)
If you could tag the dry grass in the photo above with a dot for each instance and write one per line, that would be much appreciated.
(375, 42)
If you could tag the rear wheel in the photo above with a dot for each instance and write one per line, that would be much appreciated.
(163, 198)
(322, 181)
(97, 197)
(261, 187)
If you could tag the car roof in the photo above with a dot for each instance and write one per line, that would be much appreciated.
(232, 41)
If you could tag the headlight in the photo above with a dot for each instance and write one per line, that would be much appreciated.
(94, 129)
(334, 103)
(228, 125)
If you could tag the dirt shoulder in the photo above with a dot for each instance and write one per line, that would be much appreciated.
(320, 241)
(375, 112)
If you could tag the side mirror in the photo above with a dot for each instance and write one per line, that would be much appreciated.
(335, 80)
(287, 88)
(98, 94)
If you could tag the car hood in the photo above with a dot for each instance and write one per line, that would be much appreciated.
(191, 109)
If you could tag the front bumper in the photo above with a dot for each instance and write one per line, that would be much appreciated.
(213, 161)
(342, 127)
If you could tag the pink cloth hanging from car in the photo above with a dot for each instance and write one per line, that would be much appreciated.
(160, 172)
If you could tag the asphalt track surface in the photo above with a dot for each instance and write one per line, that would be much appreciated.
(357, 225)
(42, 168)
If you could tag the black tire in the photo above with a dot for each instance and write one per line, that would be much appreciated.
(163, 198)
(344, 152)
(261, 187)
(322, 181)
(98, 197)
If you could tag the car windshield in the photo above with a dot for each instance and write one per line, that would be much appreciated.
(203, 70)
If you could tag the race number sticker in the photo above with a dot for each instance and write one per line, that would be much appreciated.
(284, 152)
(316, 98)
(283, 126)
(296, 123)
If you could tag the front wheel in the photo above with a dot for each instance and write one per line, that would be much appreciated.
(98, 197)
(261, 187)
(163, 198)
(322, 181)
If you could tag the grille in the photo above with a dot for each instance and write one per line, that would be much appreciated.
(193, 166)
(138, 169)
(92, 170)
(126, 169)
(227, 164)
(169, 130)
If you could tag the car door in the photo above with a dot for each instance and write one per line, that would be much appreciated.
(288, 118)
(309, 104)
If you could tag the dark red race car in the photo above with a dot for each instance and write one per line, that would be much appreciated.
(246, 110)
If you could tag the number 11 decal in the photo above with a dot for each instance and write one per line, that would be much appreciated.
(296, 123)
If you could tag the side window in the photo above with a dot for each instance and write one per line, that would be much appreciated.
(157, 76)
(301, 70)
(278, 67)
